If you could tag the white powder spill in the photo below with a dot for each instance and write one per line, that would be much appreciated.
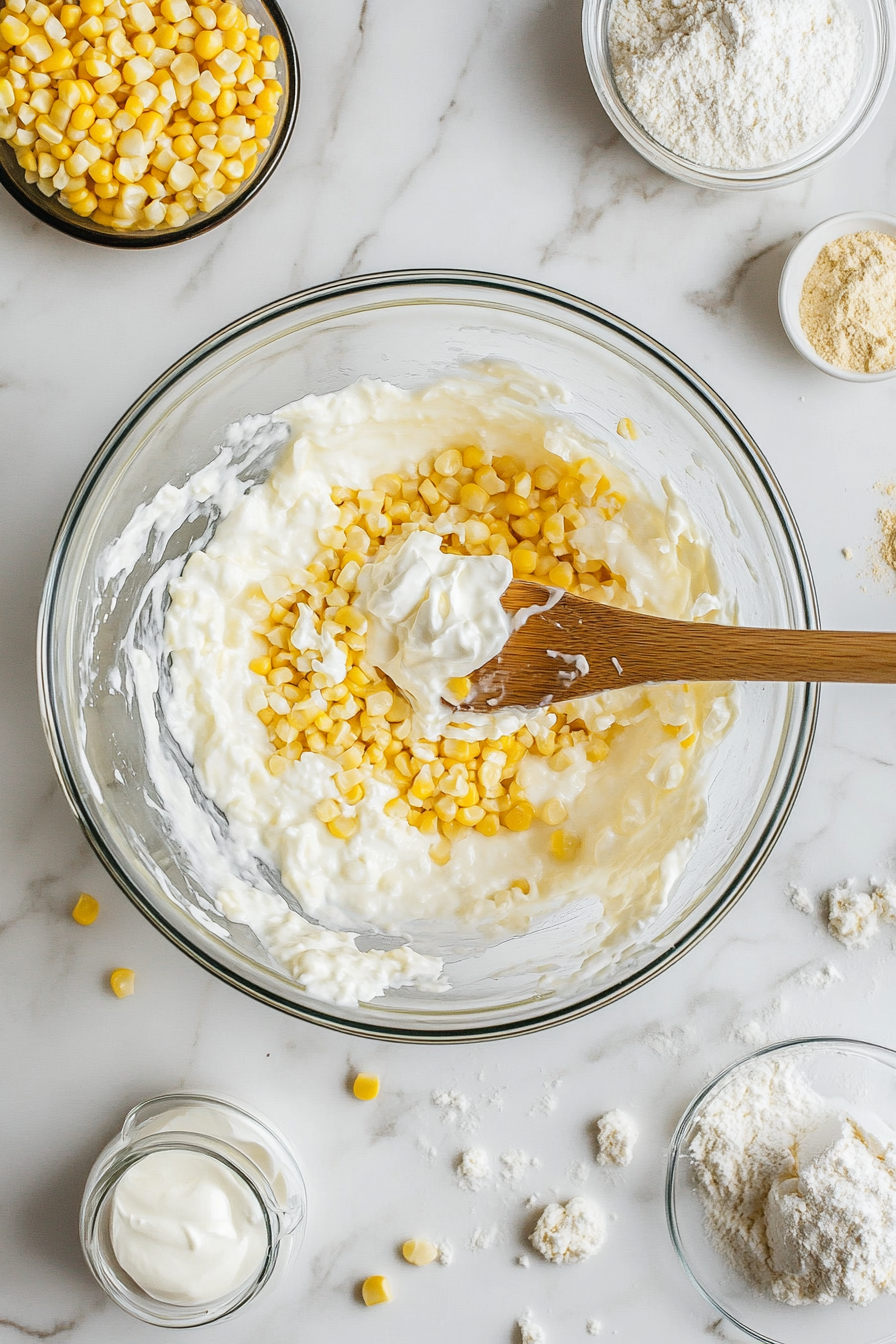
(530, 1331)
(819, 977)
(484, 1238)
(456, 1109)
(473, 1170)
(800, 899)
(616, 1135)
(515, 1164)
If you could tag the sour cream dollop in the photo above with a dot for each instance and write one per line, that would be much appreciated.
(433, 616)
(186, 1228)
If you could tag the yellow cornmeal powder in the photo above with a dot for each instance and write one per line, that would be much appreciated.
(848, 304)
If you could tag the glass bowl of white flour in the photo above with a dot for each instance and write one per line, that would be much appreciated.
(740, 96)
(203, 438)
(781, 1193)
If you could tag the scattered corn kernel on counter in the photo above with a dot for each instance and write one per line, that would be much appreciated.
(378, 814)
(137, 115)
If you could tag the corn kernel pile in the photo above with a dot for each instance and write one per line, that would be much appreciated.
(137, 114)
(365, 726)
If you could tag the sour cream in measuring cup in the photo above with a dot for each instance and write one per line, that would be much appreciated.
(192, 1209)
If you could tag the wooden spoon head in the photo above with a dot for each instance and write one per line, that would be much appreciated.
(545, 657)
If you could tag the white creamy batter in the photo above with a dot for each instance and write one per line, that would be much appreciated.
(186, 1228)
(433, 616)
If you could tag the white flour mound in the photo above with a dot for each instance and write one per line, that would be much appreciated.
(617, 1134)
(566, 1234)
(735, 83)
(515, 1164)
(473, 1169)
(530, 1331)
(799, 1195)
(854, 916)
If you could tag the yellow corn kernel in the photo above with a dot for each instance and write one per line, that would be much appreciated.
(553, 812)
(523, 560)
(627, 429)
(421, 1252)
(455, 750)
(470, 816)
(516, 506)
(596, 750)
(489, 825)
(14, 31)
(343, 828)
(327, 810)
(553, 529)
(440, 853)
(352, 619)
(459, 688)
(545, 478)
(365, 1087)
(122, 982)
(562, 575)
(271, 47)
(397, 809)
(473, 497)
(83, 118)
(86, 909)
(207, 45)
(474, 456)
(375, 1289)
(564, 845)
(519, 817)
(688, 741)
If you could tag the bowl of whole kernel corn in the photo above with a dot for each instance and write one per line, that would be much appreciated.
(136, 123)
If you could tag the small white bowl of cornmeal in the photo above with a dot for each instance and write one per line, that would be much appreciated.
(837, 297)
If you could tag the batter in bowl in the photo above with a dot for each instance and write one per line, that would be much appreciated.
(313, 639)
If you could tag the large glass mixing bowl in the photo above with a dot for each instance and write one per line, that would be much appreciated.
(411, 327)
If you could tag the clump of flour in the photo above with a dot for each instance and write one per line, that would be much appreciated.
(568, 1233)
(530, 1331)
(735, 83)
(854, 916)
(473, 1169)
(799, 1194)
(616, 1134)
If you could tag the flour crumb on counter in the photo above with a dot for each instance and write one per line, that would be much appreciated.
(530, 1331)
(445, 1253)
(819, 977)
(593, 1326)
(579, 1173)
(800, 899)
(515, 1163)
(427, 1150)
(617, 1135)
(568, 1233)
(456, 1108)
(523, 1261)
(484, 1238)
(852, 917)
(473, 1170)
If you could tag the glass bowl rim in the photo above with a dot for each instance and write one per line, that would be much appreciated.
(803, 716)
(846, 1044)
(200, 223)
(595, 21)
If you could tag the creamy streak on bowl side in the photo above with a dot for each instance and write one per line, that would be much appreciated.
(632, 763)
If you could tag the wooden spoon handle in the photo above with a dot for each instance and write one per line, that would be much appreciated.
(685, 651)
(573, 647)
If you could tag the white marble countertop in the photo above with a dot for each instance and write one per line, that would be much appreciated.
(466, 135)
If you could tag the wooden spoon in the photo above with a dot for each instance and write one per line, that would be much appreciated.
(571, 646)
